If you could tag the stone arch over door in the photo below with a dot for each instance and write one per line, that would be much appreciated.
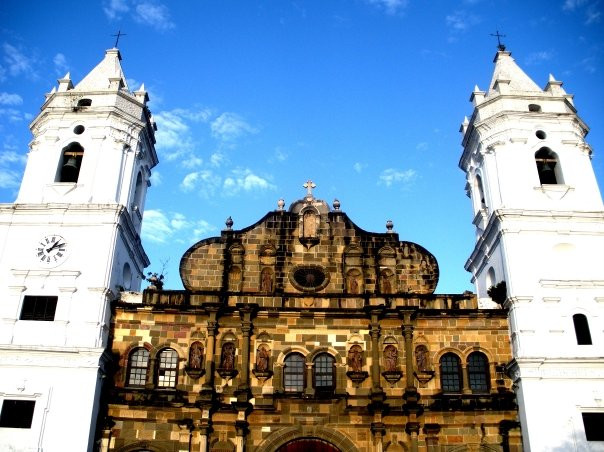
(283, 436)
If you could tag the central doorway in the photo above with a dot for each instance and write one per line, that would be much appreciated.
(308, 445)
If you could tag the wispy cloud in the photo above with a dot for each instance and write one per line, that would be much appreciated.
(162, 228)
(10, 176)
(392, 176)
(538, 57)
(358, 167)
(146, 12)
(153, 14)
(14, 115)
(244, 180)
(206, 182)
(591, 9)
(60, 63)
(230, 126)
(422, 146)
(10, 99)
(16, 63)
(390, 6)
(114, 9)
(461, 21)
(174, 137)
(156, 178)
(571, 5)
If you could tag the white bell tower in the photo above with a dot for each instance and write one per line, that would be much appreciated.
(540, 228)
(68, 245)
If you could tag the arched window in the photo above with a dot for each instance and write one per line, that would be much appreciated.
(582, 329)
(293, 373)
(450, 373)
(71, 162)
(548, 167)
(324, 372)
(138, 193)
(478, 372)
(138, 363)
(480, 192)
(167, 368)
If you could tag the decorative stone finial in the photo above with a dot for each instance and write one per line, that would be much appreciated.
(389, 225)
(309, 185)
(336, 204)
(229, 223)
(280, 204)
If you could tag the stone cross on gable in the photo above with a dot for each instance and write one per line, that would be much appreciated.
(117, 37)
(309, 185)
(499, 36)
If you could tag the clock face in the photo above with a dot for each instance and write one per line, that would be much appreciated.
(51, 250)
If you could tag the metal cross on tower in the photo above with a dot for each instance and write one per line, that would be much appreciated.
(117, 37)
(309, 185)
(500, 46)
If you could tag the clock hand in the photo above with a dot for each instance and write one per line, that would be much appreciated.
(56, 245)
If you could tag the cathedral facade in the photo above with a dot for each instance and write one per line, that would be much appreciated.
(302, 331)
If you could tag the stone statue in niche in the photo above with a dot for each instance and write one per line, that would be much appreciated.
(421, 358)
(262, 355)
(309, 224)
(234, 278)
(353, 284)
(195, 355)
(266, 280)
(385, 282)
(227, 359)
(355, 358)
(390, 358)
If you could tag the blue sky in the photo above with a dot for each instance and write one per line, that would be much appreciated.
(252, 98)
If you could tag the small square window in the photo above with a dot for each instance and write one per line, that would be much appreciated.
(17, 413)
(593, 423)
(38, 308)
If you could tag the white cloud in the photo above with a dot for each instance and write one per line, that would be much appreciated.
(155, 178)
(461, 21)
(422, 146)
(593, 15)
(230, 126)
(393, 176)
(244, 180)
(114, 9)
(217, 159)
(162, 228)
(358, 167)
(174, 139)
(60, 63)
(538, 57)
(17, 63)
(13, 115)
(571, 5)
(390, 6)
(9, 156)
(9, 178)
(10, 99)
(280, 154)
(154, 14)
(205, 181)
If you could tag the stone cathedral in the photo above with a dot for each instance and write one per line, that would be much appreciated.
(302, 332)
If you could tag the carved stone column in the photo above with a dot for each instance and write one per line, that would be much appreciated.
(374, 331)
(432, 431)
(245, 311)
(242, 428)
(412, 429)
(211, 345)
(309, 391)
(378, 429)
(464, 379)
(150, 383)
